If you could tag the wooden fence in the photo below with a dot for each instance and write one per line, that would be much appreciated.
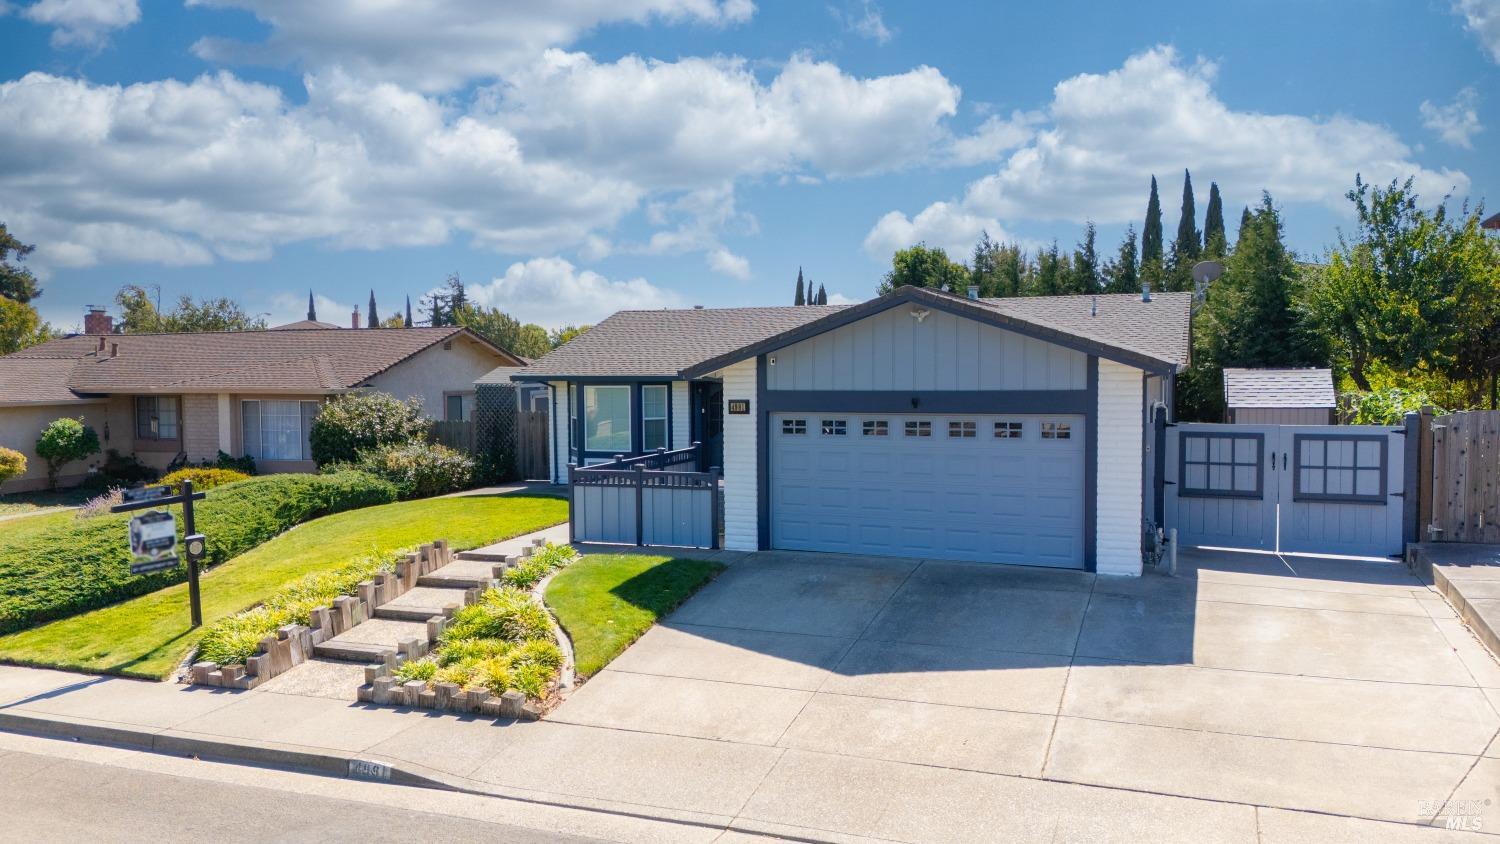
(531, 445)
(1461, 501)
(457, 435)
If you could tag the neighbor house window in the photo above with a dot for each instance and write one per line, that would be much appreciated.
(918, 429)
(1339, 468)
(793, 426)
(1057, 431)
(458, 407)
(1009, 430)
(961, 430)
(277, 430)
(653, 416)
(156, 417)
(877, 428)
(606, 418)
(1220, 465)
(835, 427)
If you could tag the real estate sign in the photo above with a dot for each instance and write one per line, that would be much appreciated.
(153, 542)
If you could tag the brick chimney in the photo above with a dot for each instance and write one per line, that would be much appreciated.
(96, 321)
(354, 322)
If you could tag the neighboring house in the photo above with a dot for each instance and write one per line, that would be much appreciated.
(175, 397)
(915, 424)
(1279, 396)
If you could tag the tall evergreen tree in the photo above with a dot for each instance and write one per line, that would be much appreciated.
(822, 295)
(1244, 223)
(16, 282)
(801, 297)
(1085, 277)
(1051, 272)
(1011, 271)
(407, 322)
(1215, 245)
(371, 319)
(1123, 273)
(1188, 245)
(1151, 240)
(312, 312)
(984, 265)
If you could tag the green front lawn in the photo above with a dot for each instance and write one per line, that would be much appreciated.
(606, 601)
(36, 502)
(148, 636)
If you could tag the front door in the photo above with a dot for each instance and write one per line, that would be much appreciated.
(708, 422)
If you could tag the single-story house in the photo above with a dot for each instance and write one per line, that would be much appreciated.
(915, 424)
(1279, 396)
(185, 397)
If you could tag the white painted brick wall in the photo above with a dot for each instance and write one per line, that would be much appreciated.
(559, 421)
(682, 421)
(1118, 503)
(741, 483)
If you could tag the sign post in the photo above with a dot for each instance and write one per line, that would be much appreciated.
(153, 535)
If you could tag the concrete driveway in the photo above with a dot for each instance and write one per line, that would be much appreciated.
(1252, 698)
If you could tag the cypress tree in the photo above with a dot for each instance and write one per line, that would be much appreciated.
(1245, 221)
(822, 295)
(1214, 243)
(312, 312)
(372, 320)
(1189, 243)
(1124, 274)
(1085, 276)
(1151, 242)
(801, 297)
(407, 322)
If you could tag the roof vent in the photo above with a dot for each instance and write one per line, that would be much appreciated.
(1145, 291)
(973, 291)
(697, 307)
(114, 350)
(1094, 307)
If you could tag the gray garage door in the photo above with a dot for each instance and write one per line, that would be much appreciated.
(1002, 489)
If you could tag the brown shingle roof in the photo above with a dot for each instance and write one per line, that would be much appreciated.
(1158, 328)
(1279, 388)
(664, 343)
(306, 360)
(40, 380)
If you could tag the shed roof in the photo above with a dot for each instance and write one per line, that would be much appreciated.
(1279, 388)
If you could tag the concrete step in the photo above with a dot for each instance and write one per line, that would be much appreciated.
(350, 651)
(392, 612)
(457, 580)
(482, 556)
(365, 642)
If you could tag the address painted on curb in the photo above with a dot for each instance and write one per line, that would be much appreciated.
(364, 769)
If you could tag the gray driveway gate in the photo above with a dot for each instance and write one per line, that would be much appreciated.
(1328, 489)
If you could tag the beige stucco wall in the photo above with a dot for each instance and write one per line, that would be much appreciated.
(435, 371)
(19, 428)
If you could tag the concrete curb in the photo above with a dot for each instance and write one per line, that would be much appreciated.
(334, 763)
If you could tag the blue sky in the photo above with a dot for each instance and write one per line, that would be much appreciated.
(571, 159)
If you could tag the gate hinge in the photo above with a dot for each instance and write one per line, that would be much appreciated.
(1401, 431)
(1396, 494)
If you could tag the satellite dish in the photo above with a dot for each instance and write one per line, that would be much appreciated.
(1206, 271)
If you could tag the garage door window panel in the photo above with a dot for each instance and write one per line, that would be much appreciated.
(962, 429)
(918, 428)
(835, 427)
(1333, 467)
(1221, 465)
(1009, 430)
(876, 428)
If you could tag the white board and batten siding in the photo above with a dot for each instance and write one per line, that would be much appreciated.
(741, 461)
(892, 350)
(682, 416)
(558, 414)
(1118, 502)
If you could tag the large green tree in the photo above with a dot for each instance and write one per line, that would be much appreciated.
(16, 282)
(141, 315)
(800, 298)
(1085, 276)
(1052, 273)
(527, 340)
(1215, 244)
(925, 266)
(1122, 275)
(1188, 245)
(1411, 291)
(1151, 240)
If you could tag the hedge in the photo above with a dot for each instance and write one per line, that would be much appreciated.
(85, 564)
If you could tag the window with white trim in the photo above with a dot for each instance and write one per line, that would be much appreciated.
(918, 428)
(276, 429)
(606, 418)
(653, 416)
(835, 427)
(1339, 468)
(962, 429)
(1221, 465)
(1009, 430)
(793, 427)
(876, 428)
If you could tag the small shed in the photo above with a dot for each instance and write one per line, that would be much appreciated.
(1279, 396)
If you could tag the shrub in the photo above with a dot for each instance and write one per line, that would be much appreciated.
(507, 614)
(123, 470)
(419, 469)
(1388, 406)
(82, 564)
(532, 569)
(245, 464)
(235, 639)
(12, 464)
(99, 505)
(358, 422)
(64, 441)
(204, 478)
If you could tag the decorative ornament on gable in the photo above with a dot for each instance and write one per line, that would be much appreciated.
(920, 314)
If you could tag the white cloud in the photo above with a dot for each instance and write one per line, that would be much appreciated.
(841, 299)
(722, 261)
(1482, 17)
(1103, 135)
(83, 23)
(940, 224)
(438, 45)
(287, 307)
(552, 292)
(865, 21)
(994, 137)
(1457, 122)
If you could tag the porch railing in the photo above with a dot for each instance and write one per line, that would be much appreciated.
(647, 500)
